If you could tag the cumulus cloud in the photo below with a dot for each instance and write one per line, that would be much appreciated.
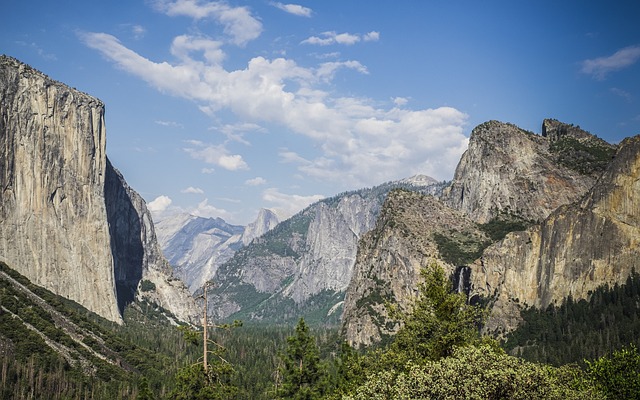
(192, 190)
(215, 154)
(206, 210)
(359, 142)
(159, 204)
(400, 101)
(207, 170)
(600, 67)
(294, 9)
(332, 37)
(237, 22)
(257, 181)
(326, 71)
(286, 205)
(372, 36)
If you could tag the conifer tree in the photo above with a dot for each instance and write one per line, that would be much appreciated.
(301, 373)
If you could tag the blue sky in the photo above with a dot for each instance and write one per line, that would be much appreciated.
(221, 108)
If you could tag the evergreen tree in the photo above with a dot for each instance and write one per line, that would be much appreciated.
(301, 374)
(439, 321)
(618, 376)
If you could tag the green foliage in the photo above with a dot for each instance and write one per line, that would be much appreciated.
(499, 226)
(477, 372)
(147, 286)
(145, 346)
(194, 383)
(582, 156)
(301, 374)
(577, 330)
(439, 320)
(618, 376)
(459, 248)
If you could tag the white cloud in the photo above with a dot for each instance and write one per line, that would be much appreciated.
(360, 143)
(286, 205)
(622, 93)
(236, 132)
(294, 9)
(600, 67)
(192, 190)
(372, 36)
(171, 124)
(159, 204)
(332, 37)
(138, 31)
(326, 71)
(216, 154)
(207, 170)
(183, 45)
(237, 22)
(257, 181)
(206, 210)
(400, 101)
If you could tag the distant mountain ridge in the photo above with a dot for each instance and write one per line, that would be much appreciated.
(304, 264)
(197, 246)
(508, 179)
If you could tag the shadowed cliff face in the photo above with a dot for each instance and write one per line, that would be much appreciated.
(125, 232)
(68, 220)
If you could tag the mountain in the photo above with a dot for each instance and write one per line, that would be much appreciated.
(197, 246)
(507, 170)
(304, 264)
(578, 248)
(507, 180)
(68, 220)
(412, 231)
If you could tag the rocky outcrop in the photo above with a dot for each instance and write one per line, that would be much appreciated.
(506, 180)
(507, 170)
(303, 266)
(576, 249)
(264, 222)
(406, 238)
(52, 173)
(59, 194)
(136, 253)
(197, 246)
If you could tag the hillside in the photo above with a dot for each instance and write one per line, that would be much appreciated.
(302, 267)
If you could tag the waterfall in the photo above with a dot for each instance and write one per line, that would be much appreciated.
(461, 280)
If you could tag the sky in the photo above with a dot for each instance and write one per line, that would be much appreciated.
(220, 108)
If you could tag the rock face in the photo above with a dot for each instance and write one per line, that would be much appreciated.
(576, 249)
(391, 256)
(136, 253)
(55, 190)
(509, 170)
(303, 265)
(197, 246)
(506, 179)
(265, 221)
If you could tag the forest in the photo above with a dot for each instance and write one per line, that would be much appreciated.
(578, 350)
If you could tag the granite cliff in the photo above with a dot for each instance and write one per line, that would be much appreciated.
(507, 180)
(507, 170)
(197, 246)
(411, 232)
(581, 246)
(68, 221)
(304, 264)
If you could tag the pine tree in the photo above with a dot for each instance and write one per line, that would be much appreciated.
(439, 321)
(301, 373)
